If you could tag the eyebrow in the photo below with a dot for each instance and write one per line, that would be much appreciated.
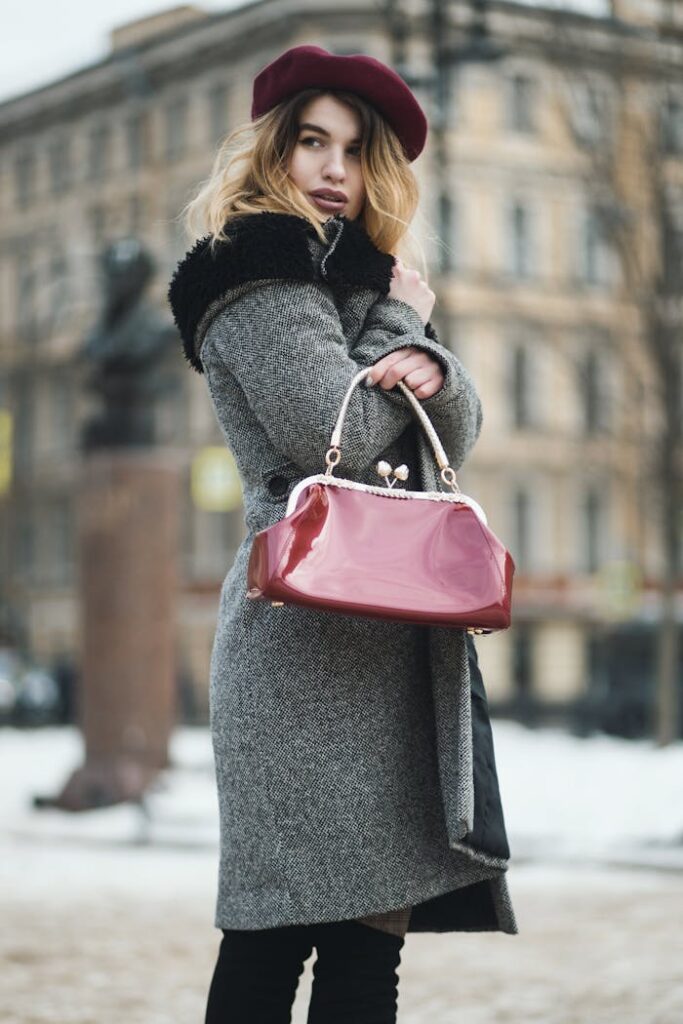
(321, 131)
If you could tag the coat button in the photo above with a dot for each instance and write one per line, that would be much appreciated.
(278, 484)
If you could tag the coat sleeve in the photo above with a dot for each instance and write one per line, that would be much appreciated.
(282, 343)
(455, 409)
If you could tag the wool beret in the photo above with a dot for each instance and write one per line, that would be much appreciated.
(304, 67)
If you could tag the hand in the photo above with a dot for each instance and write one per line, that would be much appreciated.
(415, 367)
(407, 285)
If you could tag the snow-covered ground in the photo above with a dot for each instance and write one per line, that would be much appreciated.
(108, 915)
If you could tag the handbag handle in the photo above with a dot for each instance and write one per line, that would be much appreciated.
(333, 454)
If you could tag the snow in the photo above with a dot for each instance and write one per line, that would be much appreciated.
(600, 798)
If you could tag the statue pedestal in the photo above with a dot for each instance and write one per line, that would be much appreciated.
(128, 542)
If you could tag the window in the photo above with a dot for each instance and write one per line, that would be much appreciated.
(176, 242)
(346, 50)
(59, 160)
(591, 116)
(521, 104)
(521, 528)
(136, 210)
(97, 217)
(99, 146)
(521, 387)
(27, 324)
(672, 125)
(60, 528)
(25, 178)
(446, 253)
(176, 128)
(595, 659)
(591, 243)
(593, 514)
(522, 658)
(519, 240)
(25, 543)
(62, 412)
(671, 241)
(24, 420)
(596, 255)
(215, 537)
(59, 289)
(218, 111)
(594, 392)
(137, 140)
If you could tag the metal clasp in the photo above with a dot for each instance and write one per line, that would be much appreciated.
(332, 462)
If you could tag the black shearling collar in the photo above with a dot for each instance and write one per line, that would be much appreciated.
(269, 246)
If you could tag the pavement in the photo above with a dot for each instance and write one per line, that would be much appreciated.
(101, 944)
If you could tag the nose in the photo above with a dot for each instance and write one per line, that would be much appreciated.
(335, 167)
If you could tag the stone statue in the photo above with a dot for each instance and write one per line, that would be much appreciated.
(125, 351)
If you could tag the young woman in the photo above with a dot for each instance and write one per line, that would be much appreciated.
(354, 760)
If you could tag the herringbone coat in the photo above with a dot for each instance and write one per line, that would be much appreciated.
(354, 756)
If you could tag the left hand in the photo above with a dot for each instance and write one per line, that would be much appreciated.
(415, 367)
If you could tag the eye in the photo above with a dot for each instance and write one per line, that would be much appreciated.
(355, 150)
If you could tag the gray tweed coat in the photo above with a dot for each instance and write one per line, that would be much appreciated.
(354, 756)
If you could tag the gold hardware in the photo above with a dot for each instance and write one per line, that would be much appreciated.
(474, 631)
(331, 463)
(448, 477)
(277, 604)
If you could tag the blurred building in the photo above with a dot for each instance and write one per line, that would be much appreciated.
(530, 296)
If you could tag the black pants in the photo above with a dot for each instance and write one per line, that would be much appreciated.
(354, 976)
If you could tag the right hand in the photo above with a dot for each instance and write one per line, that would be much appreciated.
(408, 286)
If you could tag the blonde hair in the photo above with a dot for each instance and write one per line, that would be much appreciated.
(249, 175)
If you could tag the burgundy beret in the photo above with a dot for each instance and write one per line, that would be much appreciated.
(304, 67)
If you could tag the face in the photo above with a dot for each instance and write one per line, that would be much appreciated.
(326, 157)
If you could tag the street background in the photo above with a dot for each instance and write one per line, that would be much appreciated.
(551, 217)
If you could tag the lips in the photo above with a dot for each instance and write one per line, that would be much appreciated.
(329, 205)
(329, 200)
(332, 194)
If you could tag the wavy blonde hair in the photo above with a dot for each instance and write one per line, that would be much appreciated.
(249, 175)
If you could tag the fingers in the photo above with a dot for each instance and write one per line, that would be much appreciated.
(416, 368)
(382, 366)
(420, 376)
(425, 381)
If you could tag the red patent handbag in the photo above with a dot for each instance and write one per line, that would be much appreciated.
(426, 557)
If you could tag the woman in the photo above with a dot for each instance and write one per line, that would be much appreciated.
(356, 776)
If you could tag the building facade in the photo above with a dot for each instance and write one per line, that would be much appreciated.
(532, 295)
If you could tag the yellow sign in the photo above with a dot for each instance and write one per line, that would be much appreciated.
(5, 450)
(215, 481)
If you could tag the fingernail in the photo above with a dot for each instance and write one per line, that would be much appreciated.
(369, 381)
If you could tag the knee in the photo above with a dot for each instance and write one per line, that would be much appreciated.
(279, 948)
(353, 942)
